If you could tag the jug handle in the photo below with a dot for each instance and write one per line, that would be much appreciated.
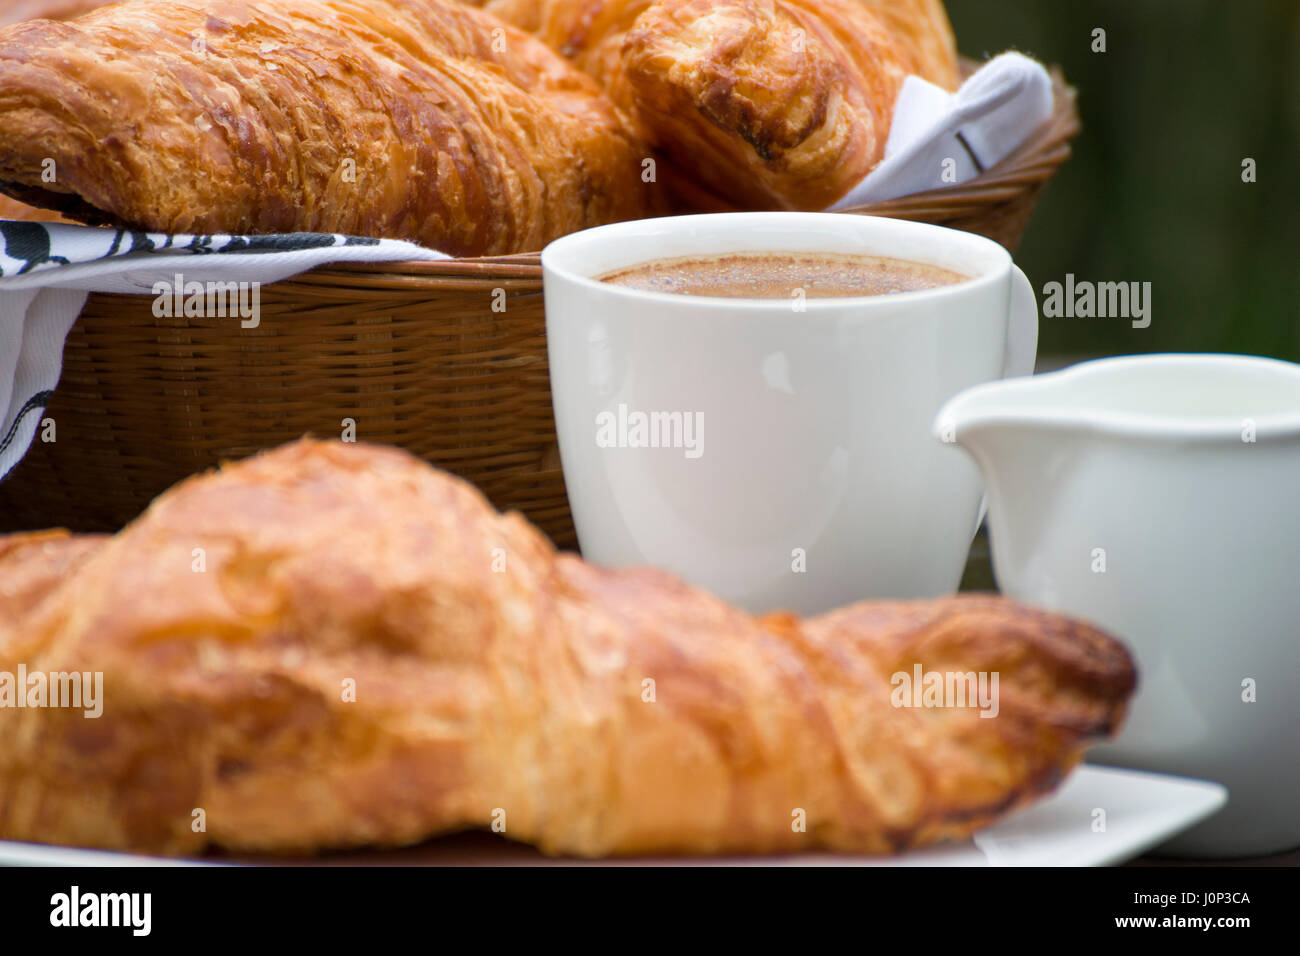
(1021, 350)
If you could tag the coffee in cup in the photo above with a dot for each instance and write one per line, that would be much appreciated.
(783, 275)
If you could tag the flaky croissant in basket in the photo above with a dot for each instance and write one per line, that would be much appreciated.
(418, 119)
(768, 104)
(434, 121)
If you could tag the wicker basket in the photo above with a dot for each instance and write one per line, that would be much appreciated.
(414, 353)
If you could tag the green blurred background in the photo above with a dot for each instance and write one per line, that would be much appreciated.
(1184, 92)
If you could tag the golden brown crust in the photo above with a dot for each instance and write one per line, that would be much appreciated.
(926, 35)
(497, 679)
(590, 32)
(16, 11)
(923, 33)
(768, 103)
(774, 105)
(415, 119)
(1060, 682)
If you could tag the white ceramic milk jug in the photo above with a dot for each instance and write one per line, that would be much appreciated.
(1159, 497)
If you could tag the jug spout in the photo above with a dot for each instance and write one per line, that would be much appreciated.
(1062, 453)
(1151, 398)
(1023, 444)
(984, 417)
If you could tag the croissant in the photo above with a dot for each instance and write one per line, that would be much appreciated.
(922, 30)
(780, 104)
(333, 645)
(589, 30)
(415, 119)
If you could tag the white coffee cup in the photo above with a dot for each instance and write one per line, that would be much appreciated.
(798, 471)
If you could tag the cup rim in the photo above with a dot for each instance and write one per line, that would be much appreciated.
(572, 244)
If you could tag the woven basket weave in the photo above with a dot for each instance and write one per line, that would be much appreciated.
(413, 353)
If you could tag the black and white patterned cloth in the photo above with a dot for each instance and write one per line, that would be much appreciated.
(936, 138)
(47, 269)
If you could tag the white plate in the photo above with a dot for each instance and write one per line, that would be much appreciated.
(1141, 810)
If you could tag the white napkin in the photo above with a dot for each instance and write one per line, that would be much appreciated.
(939, 138)
(47, 269)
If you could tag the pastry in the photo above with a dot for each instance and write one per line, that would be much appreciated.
(334, 645)
(922, 30)
(415, 119)
(769, 104)
(587, 31)
(15, 11)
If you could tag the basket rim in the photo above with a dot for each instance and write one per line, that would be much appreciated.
(1030, 164)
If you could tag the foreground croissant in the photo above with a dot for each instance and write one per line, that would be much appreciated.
(413, 119)
(495, 680)
(768, 104)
